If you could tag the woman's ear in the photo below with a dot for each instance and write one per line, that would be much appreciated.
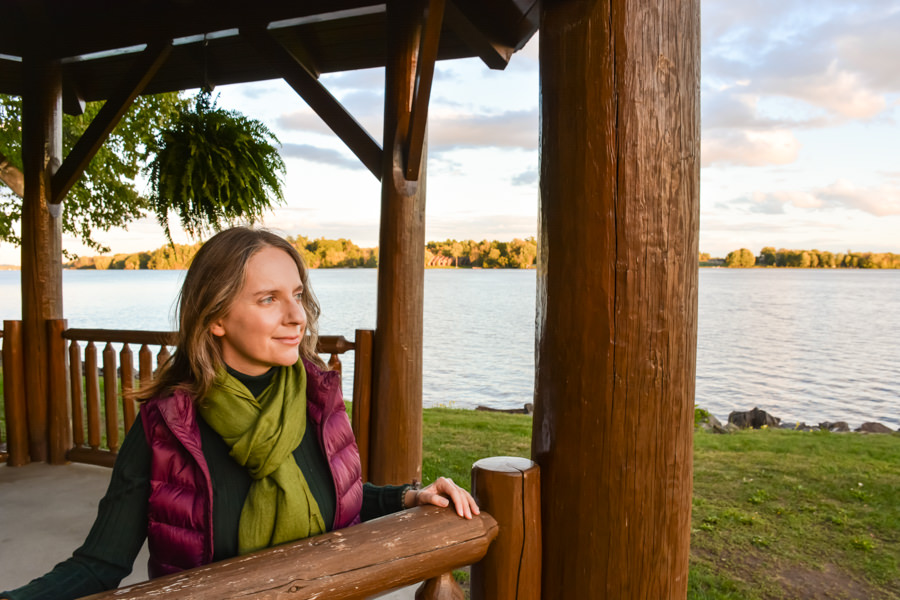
(217, 329)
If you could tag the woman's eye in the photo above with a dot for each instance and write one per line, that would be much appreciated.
(298, 296)
(267, 300)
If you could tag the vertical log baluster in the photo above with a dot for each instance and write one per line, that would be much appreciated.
(14, 394)
(162, 356)
(442, 587)
(126, 362)
(111, 397)
(58, 418)
(145, 365)
(334, 363)
(77, 393)
(362, 395)
(92, 389)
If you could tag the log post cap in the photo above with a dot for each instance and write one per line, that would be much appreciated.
(505, 464)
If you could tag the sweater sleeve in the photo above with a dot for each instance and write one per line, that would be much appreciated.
(381, 500)
(107, 555)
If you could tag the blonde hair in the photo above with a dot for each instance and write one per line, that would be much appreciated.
(213, 280)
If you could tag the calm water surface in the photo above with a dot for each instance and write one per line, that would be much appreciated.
(806, 345)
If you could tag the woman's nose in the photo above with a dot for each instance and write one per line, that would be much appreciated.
(296, 315)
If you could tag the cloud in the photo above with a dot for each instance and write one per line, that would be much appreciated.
(321, 155)
(302, 120)
(511, 129)
(529, 177)
(882, 201)
(834, 56)
(748, 148)
(479, 227)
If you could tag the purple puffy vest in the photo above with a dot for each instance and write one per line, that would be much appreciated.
(179, 528)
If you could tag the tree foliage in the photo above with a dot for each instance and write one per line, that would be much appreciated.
(107, 195)
(515, 254)
(740, 258)
(210, 166)
(214, 168)
(813, 259)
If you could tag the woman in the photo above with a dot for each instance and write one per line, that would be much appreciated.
(243, 441)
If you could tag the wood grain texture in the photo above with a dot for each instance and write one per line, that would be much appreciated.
(14, 395)
(362, 396)
(396, 442)
(442, 587)
(510, 488)
(75, 393)
(126, 360)
(59, 419)
(41, 235)
(111, 397)
(426, 57)
(617, 295)
(356, 562)
(92, 395)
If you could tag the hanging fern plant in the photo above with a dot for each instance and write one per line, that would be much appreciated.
(214, 168)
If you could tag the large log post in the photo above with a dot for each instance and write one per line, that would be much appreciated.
(617, 295)
(395, 445)
(41, 236)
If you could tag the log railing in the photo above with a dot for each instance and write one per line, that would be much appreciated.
(100, 381)
(95, 407)
(422, 544)
(93, 371)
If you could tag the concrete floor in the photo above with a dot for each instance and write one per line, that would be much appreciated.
(47, 511)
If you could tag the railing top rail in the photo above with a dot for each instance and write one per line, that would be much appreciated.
(121, 336)
(328, 344)
(366, 559)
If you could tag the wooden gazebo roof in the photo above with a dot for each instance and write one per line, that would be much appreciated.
(97, 40)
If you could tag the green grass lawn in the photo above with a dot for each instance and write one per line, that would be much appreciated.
(776, 514)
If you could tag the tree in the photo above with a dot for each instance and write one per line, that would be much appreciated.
(107, 196)
(767, 256)
(740, 258)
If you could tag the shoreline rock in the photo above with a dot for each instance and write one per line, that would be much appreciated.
(757, 418)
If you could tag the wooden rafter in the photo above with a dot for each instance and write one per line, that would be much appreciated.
(428, 50)
(318, 98)
(109, 116)
(495, 56)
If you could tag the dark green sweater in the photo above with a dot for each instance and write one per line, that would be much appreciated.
(108, 553)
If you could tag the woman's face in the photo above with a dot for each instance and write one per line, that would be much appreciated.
(266, 321)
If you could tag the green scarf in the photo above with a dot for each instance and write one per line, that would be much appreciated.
(263, 433)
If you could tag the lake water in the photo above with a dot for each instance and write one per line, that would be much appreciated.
(805, 345)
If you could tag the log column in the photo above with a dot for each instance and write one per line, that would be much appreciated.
(396, 439)
(41, 236)
(617, 295)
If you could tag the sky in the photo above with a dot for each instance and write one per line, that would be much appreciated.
(800, 140)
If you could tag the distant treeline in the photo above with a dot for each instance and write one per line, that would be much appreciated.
(323, 254)
(812, 259)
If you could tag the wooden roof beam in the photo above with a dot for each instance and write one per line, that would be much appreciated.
(304, 82)
(495, 56)
(148, 63)
(428, 50)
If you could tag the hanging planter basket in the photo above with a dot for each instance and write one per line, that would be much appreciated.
(214, 168)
